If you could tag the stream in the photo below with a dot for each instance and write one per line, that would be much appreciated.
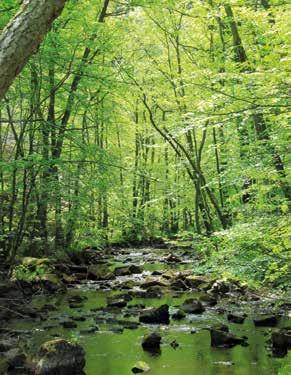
(113, 345)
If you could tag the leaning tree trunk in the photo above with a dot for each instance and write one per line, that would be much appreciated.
(23, 35)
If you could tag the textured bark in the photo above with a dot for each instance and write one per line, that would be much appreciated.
(23, 35)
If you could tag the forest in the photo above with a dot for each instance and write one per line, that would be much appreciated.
(144, 187)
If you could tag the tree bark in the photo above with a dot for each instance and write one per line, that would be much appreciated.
(23, 35)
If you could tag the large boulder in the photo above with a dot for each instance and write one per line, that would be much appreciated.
(222, 338)
(266, 321)
(192, 306)
(280, 342)
(158, 315)
(37, 273)
(60, 357)
(152, 342)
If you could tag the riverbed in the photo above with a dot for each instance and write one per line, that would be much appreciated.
(113, 345)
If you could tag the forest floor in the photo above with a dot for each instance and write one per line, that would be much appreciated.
(111, 302)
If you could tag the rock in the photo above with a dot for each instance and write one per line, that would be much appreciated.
(221, 287)
(192, 306)
(128, 284)
(140, 367)
(138, 306)
(52, 283)
(153, 292)
(117, 303)
(280, 340)
(174, 344)
(169, 275)
(60, 357)
(69, 324)
(205, 286)
(67, 279)
(32, 263)
(49, 307)
(15, 358)
(101, 273)
(148, 283)
(288, 334)
(178, 284)
(208, 300)
(234, 318)
(6, 345)
(252, 296)
(152, 342)
(158, 315)
(172, 259)
(266, 321)
(157, 273)
(221, 327)
(194, 282)
(129, 325)
(89, 330)
(77, 299)
(76, 305)
(220, 338)
(88, 255)
(178, 315)
(128, 270)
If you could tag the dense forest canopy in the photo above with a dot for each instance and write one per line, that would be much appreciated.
(136, 120)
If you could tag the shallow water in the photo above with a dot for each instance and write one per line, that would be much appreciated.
(111, 353)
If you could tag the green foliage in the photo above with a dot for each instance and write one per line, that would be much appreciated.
(24, 273)
(75, 337)
(256, 252)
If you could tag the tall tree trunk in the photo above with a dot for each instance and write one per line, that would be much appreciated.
(23, 35)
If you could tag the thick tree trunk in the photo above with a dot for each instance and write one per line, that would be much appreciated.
(23, 35)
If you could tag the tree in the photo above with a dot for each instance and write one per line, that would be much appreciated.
(23, 35)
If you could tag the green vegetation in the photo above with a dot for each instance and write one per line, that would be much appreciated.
(141, 120)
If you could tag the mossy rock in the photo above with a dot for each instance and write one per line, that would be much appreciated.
(31, 262)
(140, 367)
(60, 357)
